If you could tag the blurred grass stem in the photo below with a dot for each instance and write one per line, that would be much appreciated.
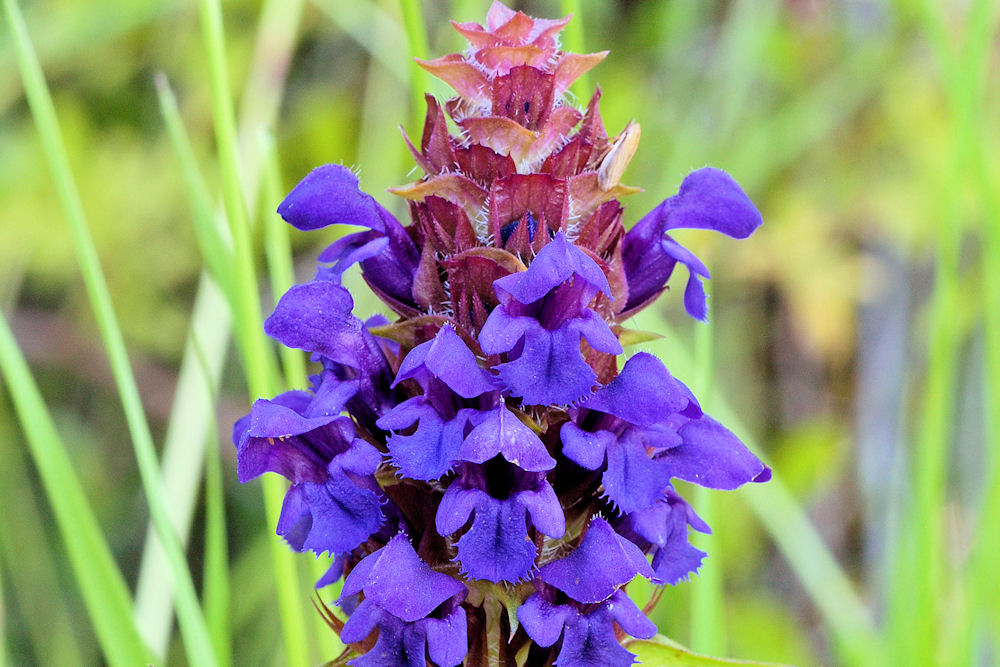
(258, 358)
(190, 618)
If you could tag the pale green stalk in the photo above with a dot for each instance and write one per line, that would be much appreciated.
(34, 581)
(212, 235)
(847, 617)
(216, 587)
(362, 21)
(708, 623)
(416, 35)
(3, 625)
(278, 250)
(105, 593)
(572, 41)
(192, 414)
(966, 75)
(258, 359)
(190, 618)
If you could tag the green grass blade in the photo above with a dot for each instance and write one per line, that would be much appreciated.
(34, 581)
(416, 35)
(258, 359)
(918, 626)
(188, 430)
(278, 250)
(572, 37)
(361, 21)
(216, 587)
(104, 591)
(708, 628)
(191, 620)
(192, 414)
(213, 238)
(3, 625)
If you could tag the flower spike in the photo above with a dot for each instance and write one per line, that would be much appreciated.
(489, 447)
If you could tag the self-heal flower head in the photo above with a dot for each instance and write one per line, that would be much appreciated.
(488, 447)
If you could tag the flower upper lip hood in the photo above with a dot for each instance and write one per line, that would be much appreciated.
(708, 199)
(488, 448)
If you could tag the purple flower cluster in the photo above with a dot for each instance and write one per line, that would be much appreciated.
(485, 445)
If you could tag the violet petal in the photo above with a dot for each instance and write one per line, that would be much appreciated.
(503, 433)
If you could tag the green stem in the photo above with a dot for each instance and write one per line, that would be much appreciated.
(918, 627)
(279, 261)
(192, 622)
(258, 360)
(105, 593)
(708, 629)
(573, 42)
(416, 34)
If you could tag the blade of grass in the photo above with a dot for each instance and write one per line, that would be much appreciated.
(572, 37)
(212, 235)
(104, 591)
(34, 581)
(192, 418)
(708, 628)
(189, 613)
(966, 74)
(192, 415)
(3, 625)
(416, 35)
(216, 588)
(848, 619)
(362, 20)
(258, 361)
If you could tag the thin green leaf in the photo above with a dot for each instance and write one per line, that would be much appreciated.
(708, 627)
(192, 623)
(192, 413)
(663, 652)
(416, 35)
(916, 613)
(104, 591)
(573, 42)
(34, 581)
(216, 572)
(278, 250)
(213, 238)
(258, 359)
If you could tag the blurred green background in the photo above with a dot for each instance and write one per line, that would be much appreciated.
(853, 333)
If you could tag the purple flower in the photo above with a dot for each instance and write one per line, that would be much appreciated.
(334, 503)
(501, 496)
(708, 199)
(447, 371)
(647, 427)
(592, 577)
(543, 315)
(329, 195)
(417, 611)
(662, 531)
(456, 460)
